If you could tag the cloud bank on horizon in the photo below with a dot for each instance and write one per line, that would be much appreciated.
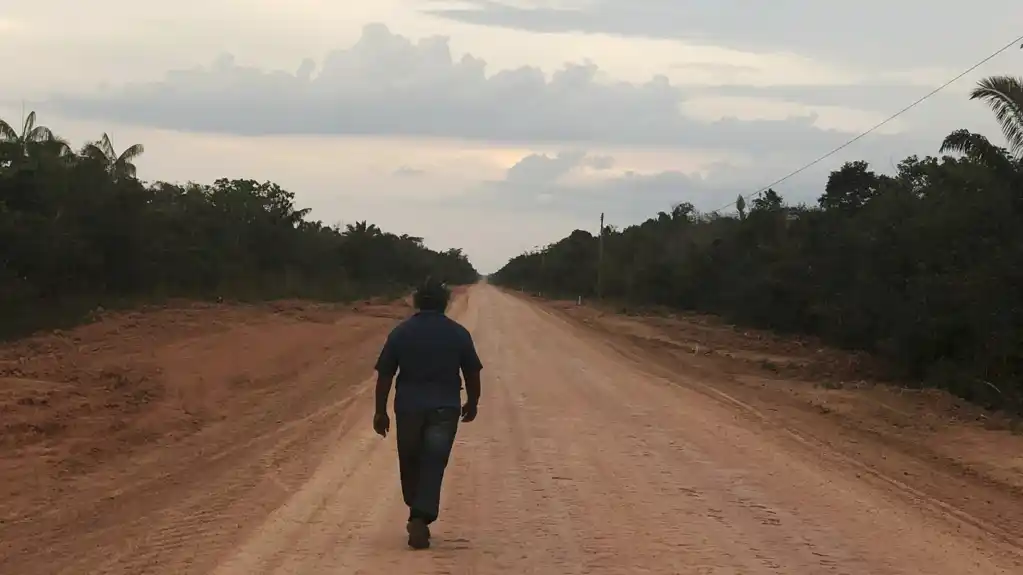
(386, 84)
(423, 135)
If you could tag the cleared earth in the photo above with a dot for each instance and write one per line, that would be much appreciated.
(230, 440)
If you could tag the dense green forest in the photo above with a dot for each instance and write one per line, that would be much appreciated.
(79, 230)
(924, 266)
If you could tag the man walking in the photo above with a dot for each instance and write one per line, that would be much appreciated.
(427, 351)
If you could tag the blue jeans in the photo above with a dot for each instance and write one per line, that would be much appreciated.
(425, 439)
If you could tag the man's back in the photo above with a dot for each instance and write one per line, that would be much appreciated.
(428, 352)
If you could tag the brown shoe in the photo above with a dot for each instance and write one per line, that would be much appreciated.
(418, 534)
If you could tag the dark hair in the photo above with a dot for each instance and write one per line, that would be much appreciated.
(431, 295)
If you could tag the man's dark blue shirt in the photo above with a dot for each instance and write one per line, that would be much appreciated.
(427, 351)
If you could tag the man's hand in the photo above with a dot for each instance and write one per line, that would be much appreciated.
(469, 412)
(381, 423)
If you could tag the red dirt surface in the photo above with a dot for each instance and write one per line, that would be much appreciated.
(237, 441)
(927, 438)
(138, 399)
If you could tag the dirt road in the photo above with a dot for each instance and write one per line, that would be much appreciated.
(582, 461)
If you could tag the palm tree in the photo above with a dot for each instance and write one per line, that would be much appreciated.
(1004, 95)
(362, 229)
(32, 134)
(978, 148)
(118, 165)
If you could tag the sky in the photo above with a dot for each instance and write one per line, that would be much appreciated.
(498, 126)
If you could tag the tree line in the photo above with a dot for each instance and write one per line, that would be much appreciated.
(922, 267)
(78, 229)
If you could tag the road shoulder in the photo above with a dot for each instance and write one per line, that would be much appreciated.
(938, 451)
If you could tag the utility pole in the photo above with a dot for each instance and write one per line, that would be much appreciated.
(543, 272)
(600, 260)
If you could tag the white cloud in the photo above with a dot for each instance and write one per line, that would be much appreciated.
(116, 41)
(386, 84)
(908, 33)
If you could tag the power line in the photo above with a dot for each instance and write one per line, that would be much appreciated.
(878, 125)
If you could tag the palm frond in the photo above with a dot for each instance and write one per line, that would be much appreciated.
(7, 133)
(62, 145)
(964, 142)
(131, 154)
(39, 134)
(30, 122)
(1004, 95)
(56, 146)
(94, 152)
(977, 148)
(107, 147)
